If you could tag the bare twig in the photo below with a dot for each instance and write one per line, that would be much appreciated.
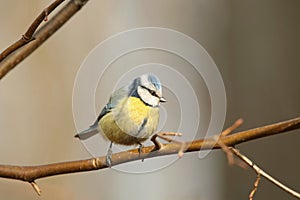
(258, 170)
(40, 36)
(229, 130)
(256, 183)
(27, 37)
(229, 151)
(229, 154)
(32, 173)
(164, 136)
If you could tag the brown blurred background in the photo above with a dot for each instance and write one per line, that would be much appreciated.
(255, 45)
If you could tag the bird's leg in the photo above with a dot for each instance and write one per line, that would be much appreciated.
(141, 146)
(108, 155)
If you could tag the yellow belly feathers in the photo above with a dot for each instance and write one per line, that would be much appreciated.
(123, 124)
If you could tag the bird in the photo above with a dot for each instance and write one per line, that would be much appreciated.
(131, 114)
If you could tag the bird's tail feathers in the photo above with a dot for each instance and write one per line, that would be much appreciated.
(92, 130)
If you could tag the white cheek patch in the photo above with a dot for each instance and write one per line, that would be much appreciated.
(147, 97)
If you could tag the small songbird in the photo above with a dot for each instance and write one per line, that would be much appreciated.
(131, 115)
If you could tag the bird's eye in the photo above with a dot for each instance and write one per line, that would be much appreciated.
(152, 92)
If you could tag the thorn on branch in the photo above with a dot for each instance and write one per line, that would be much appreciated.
(36, 188)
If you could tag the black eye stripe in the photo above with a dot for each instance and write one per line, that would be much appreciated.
(152, 92)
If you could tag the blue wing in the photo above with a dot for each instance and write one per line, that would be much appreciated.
(112, 102)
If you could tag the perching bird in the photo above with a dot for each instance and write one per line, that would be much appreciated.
(131, 115)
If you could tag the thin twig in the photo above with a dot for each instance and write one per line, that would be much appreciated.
(258, 170)
(229, 154)
(27, 37)
(229, 151)
(164, 136)
(256, 183)
(229, 130)
(40, 36)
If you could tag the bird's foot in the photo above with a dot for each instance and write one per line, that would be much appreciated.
(141, 146)
(108, 160)
(108, 156)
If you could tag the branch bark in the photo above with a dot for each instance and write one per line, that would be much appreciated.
(27, 37)
(12, 56)
(32, 173)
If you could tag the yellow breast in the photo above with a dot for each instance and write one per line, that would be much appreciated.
(137, 110)
(123, 124)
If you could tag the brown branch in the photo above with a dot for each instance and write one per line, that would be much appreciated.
(32, 173)
(261, 172)
(225, 148)
(13, 55)
(229, 151)
(27, 37)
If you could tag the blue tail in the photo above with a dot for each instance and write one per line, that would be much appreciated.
(93, 130)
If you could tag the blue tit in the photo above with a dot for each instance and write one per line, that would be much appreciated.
(131, 115)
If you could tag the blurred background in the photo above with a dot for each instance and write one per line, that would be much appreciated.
(255, 45)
